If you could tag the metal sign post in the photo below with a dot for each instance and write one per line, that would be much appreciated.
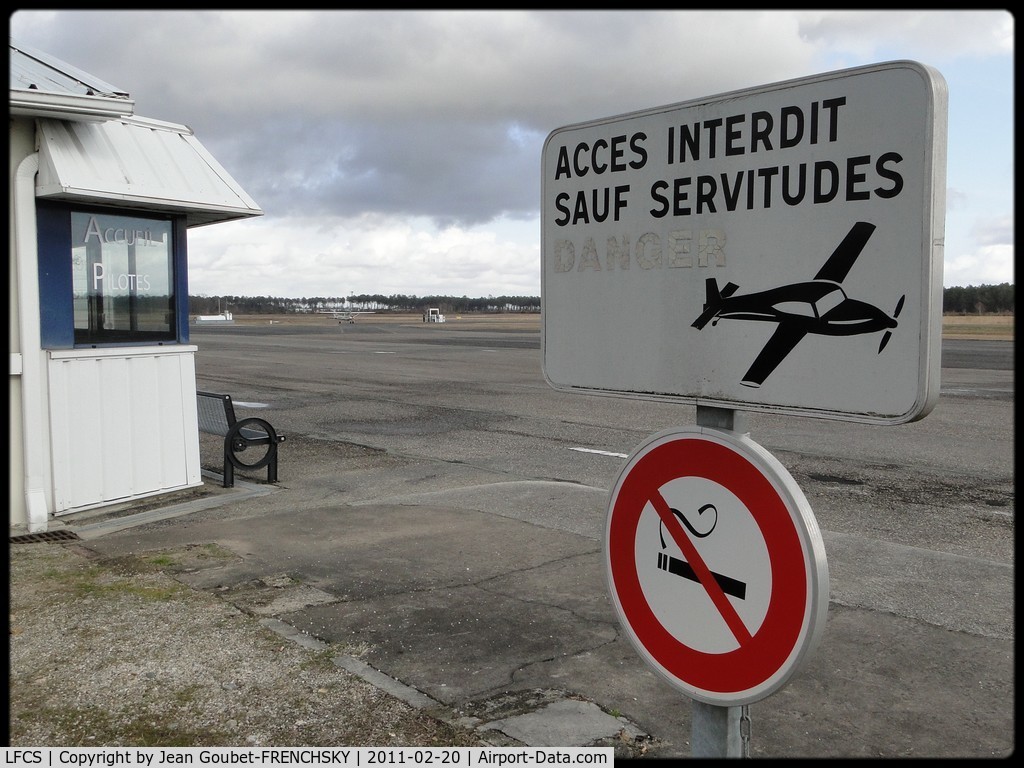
(715, 731)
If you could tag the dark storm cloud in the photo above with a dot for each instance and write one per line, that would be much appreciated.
(452, 172)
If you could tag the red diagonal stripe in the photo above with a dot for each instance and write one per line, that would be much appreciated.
(707, 579)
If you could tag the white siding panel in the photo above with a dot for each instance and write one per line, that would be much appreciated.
(189, 418)
(59, 444)
(85, 433)
(145, 422)
(116, 452)
(75, 420)
(123, 425)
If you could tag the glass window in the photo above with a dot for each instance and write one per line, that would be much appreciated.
(830, 301)
(801, 308)
(122, 278)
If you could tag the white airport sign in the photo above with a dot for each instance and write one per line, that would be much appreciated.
(775, 249)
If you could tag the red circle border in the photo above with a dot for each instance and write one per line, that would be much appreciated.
(773, 643)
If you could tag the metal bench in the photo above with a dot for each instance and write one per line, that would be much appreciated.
(217, 417)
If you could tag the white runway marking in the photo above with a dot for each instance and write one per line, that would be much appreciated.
(600, 453)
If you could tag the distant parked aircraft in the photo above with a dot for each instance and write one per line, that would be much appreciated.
(815, 306)
(344, 315)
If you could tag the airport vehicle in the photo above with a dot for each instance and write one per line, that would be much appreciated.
(433, 315)
(816, 306)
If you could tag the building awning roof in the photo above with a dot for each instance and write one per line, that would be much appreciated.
(44, 86)
(141, 163)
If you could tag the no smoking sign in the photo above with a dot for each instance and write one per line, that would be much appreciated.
(715, 564)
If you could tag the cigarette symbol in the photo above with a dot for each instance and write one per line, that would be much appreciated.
(678, 567)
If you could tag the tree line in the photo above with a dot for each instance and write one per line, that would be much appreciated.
(978, 299)
(960, 300)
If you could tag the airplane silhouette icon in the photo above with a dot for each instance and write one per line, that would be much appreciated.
(815, 306)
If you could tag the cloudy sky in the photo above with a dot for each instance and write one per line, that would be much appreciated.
(399, 152)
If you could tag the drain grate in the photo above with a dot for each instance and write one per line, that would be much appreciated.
(59, 535)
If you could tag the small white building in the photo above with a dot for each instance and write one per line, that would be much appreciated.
(102, 375)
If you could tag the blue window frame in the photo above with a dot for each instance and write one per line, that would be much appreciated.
(111, 276)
